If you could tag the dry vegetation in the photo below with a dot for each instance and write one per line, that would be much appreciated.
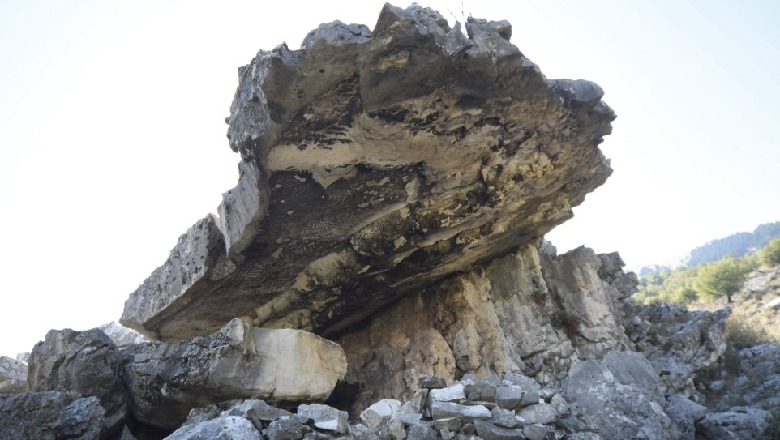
(755, 316)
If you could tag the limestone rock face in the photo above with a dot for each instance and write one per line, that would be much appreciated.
(13, 375)
(530, 311)
(167, 380)
(372, 164)
(50, 415)
(84, 362)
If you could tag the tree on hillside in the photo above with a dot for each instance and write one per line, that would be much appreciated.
(724, 277)
(770, 254)
(672, 286)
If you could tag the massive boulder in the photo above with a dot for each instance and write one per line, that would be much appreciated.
(618, 398)
(372, 164)
(166, 381)
(84, 362)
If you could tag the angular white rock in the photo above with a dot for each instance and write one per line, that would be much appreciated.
(455, 392)
(380, 412)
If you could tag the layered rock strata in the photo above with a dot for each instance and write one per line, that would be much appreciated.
(372, 164)
(531, 311)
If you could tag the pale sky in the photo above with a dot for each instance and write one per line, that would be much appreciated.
(112, 134)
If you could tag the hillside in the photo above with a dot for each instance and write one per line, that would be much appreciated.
(755, 310)
(735, 245)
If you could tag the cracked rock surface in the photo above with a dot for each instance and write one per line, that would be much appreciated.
(373, 163)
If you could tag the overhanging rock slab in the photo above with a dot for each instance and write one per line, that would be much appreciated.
(373, 163)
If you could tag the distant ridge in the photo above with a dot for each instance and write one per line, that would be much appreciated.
(735, 245)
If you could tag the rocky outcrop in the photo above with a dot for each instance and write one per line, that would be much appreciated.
(678, 343)
(87, 363)
(532, 311)
(749, 377)
(166, 381)
(373, 164)
(759, 376)
(13, 376)
(394, 189)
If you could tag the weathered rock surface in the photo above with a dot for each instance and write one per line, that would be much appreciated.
(165, 380)
(256, 411)
(374, 163)
(13, 376)
(380, 412)
(532, 312)
(740, 423)
(684, 414)
(50, 415)
(619, 397)
(677, 342)
(84, 362)
(489, 431)
(325, 417)
(221, 428)
(746, 378)
(759, 376)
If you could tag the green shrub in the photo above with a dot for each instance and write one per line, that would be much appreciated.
(769, 255)
(741, 333)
